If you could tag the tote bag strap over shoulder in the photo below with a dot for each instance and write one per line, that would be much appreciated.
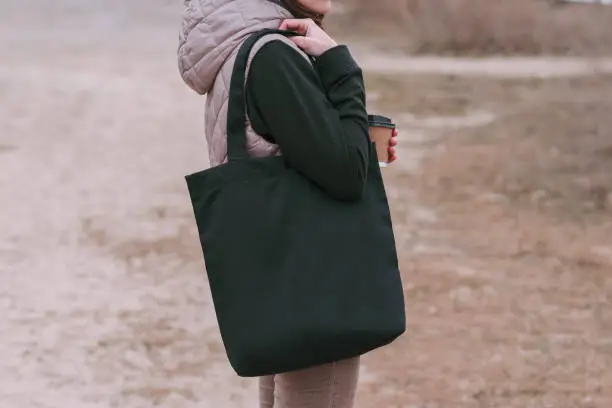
(236, 115)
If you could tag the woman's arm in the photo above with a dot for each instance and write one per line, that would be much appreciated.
(315, 113)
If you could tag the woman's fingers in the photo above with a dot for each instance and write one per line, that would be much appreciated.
(301, 26)
(392, 155)
(311, 38)
(392, 144)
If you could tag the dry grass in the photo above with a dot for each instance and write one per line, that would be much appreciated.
(548, 149)
(490, 26)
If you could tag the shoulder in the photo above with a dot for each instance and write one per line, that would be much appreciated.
(276, 52)
(279, 44)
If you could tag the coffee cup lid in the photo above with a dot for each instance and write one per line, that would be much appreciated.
(383, 125)
(379, 119)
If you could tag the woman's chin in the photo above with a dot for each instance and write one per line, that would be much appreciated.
(317, 6)
(325, 8)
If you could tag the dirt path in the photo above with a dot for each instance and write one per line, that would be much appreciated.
(102, 295)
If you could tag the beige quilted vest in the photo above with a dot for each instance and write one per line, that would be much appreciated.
(212, 33)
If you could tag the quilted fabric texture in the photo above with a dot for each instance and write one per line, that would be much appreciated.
(211, 34)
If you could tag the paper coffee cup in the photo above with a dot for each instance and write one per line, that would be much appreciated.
(381, 132)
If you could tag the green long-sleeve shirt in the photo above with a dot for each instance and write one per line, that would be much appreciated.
(315, 112)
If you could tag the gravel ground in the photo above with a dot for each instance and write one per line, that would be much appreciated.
(103, 298)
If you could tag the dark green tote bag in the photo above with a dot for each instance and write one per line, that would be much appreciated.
(298, 278)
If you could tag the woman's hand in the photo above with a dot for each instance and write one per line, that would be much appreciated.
(312, 39)
(392, 144)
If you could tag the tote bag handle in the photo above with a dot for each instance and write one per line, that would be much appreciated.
(236, 114)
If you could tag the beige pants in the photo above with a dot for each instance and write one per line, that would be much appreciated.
(327, 386)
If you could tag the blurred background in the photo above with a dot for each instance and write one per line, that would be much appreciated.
(502, 204)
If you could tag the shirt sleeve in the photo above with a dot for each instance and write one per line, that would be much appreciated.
(315, 112)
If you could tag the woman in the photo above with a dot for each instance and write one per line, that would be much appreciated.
(313, 111)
